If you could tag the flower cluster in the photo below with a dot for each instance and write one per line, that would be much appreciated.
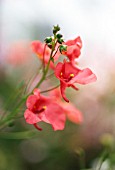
(52, 109)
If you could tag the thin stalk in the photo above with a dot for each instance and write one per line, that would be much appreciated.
(55, 52)
(45, 91)
(43, 62)
(49, 76)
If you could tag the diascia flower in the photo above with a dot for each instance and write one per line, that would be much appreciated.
(42, 108)
(73, 49)
(18, 53)
(68, 75)
(71, 112)
(41, 49)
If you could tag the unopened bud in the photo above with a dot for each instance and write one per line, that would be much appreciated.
(63, 48)
(59, 36)
(48, 40)
(56, 29)
(60, 41)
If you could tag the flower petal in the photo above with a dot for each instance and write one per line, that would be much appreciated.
(78, 42)
(37, 92)
(31, 101)
(30, 117)
(84, 76)
(55, 115)
(73, 114)
(58, 69)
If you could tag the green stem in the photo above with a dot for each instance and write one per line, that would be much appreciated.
(18, 135)
(50, 89)
(50, 76)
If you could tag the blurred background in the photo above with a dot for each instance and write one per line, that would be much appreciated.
(78, 146)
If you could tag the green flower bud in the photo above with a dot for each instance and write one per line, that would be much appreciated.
(62, 48)
(60, 41)
(56, 29)
(59, 36)
(48, 40)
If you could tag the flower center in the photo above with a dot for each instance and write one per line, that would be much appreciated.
(61, 74)
(66, 79)
(40, 110)
(44, 107)
(72, 75)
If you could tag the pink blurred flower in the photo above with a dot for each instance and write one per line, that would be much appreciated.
(68, 74)
(18, 53)
(41, 108)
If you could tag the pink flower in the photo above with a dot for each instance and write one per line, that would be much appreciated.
(41, 108)
(73, 49)
(68, 74)
(40, 49)
(71, 112)
(18, 53)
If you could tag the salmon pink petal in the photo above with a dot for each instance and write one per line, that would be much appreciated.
(84, 77)
(58, 69)
(42, 117)
(37, 92)
(31, 101)
(73, 49)
(55, 115)
(73, 114)
(30, 117)
(78, 42)
(56, 94)
(76, 52)
(73, 52)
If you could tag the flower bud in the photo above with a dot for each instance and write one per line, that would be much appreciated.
(62, 48)
(48, 40)
(56, 29)
(59, 36)
(60, 41)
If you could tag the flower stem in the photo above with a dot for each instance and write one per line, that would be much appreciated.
(50, 89)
